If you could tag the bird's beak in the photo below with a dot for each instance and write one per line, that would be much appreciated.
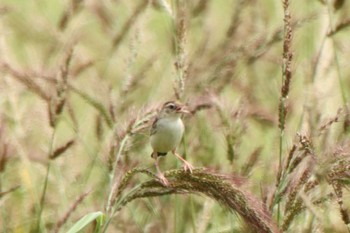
(183, 109)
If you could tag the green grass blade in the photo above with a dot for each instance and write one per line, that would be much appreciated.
(86, 220)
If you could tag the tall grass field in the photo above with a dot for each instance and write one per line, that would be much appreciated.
(267, 83)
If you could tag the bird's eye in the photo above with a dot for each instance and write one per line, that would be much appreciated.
(172, 106)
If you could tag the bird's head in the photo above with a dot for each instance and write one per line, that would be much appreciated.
(173, 109)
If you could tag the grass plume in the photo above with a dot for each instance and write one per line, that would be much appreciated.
(265, 81)
(221, 188)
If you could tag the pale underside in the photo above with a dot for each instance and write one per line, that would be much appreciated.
(166, 134)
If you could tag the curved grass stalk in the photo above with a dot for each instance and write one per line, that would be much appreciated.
(221, 188)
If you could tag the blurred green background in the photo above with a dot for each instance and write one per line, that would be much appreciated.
(121, 60)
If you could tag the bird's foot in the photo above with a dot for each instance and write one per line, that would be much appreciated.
(163, 179)
(187, 166)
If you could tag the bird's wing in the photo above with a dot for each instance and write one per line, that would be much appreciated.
(154, 126)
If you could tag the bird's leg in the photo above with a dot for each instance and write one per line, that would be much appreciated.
(186, 165)
(160, 174)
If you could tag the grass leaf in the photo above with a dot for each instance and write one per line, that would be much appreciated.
(86, 220)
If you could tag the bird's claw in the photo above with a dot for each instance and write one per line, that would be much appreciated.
(163, 179)
(188, 167)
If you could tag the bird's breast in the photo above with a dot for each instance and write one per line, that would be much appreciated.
(168, 134)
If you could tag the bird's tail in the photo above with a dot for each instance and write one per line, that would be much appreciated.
(154, 155)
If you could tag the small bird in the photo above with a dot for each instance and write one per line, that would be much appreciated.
(166, 133)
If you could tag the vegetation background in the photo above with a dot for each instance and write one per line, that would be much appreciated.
(267, 83)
